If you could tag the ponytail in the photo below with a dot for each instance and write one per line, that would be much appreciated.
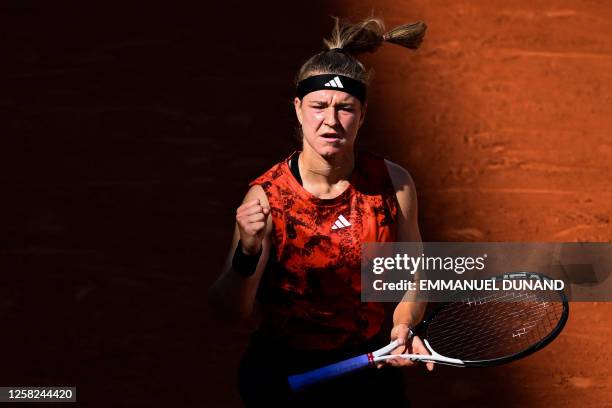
(365, 36)
(348, 40)
(407, 35)
(369, 34)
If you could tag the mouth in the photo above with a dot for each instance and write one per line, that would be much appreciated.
(331, 137)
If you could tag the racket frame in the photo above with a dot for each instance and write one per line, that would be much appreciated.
(421, 328)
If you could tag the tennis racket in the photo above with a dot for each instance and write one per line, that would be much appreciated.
(474, 329)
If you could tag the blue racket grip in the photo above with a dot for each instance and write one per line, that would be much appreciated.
(300, 381)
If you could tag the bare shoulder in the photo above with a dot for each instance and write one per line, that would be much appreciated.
(256, 192)
(401, 178)
(405, 191)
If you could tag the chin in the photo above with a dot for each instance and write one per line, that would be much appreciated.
(331, 150)
(328, 155)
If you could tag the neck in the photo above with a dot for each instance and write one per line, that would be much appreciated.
(329, 170)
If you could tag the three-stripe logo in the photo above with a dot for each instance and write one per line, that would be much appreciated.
(335, 83)
(341, 222)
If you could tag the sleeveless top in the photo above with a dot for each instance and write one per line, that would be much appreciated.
(310, 292)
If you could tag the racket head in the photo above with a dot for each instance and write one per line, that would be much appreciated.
(496, 327)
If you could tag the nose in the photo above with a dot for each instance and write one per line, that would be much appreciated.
(331, 117)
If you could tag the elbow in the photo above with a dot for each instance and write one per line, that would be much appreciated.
(225, 309)
(241, 314)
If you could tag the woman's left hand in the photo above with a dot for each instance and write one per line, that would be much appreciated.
(414, 345)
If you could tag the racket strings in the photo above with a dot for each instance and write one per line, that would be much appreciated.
(453, 318)
(494, 325)
(486, 340)
(480, 339)
(491, 347)
(480, 326)
(488, 347)
(488, 336)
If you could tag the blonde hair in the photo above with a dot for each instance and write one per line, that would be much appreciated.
(352, 39)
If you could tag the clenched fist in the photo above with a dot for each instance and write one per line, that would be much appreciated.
(251, 218)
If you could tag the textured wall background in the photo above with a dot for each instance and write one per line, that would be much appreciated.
(130, 132)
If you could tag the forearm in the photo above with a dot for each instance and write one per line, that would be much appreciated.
(411, 308)
(409, 313)
(234, 294)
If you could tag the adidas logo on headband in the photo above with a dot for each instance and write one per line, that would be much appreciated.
(335, 83)
(330, 81)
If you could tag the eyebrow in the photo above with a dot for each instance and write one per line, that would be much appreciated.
(337, 104)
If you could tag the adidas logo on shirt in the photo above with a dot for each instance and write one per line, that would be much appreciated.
(341, 222)
(335, 83)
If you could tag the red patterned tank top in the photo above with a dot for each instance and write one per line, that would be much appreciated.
(310, 291)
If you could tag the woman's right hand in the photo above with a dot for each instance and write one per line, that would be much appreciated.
(251, 218)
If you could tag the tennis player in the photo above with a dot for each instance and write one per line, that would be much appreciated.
(298, 238)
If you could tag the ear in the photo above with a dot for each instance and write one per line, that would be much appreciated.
(364, 108)
(297, 104)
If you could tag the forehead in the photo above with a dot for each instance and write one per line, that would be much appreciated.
(330, 96)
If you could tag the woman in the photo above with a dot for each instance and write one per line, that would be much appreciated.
(299, 232)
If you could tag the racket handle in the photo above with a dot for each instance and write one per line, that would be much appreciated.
(300, 381)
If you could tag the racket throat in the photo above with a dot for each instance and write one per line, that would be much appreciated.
(438, 358)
